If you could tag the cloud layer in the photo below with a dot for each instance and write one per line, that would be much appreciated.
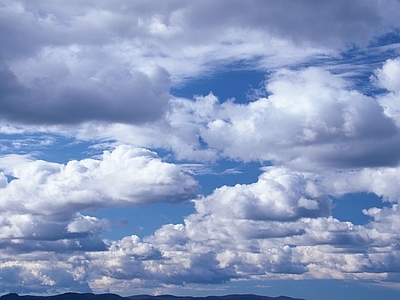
(60, 64)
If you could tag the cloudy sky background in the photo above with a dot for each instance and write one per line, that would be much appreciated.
(200, 147)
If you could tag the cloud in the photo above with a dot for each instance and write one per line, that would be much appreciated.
(60, 65)
(46, 195)
(43, 272)
(309, 119)
(334, 21)
(287, 233)
(277, 196)
(387, 78)
(76, 93)
(60, 24)
(54, 72)
(127, 175)
(214, 244)
(263, 247)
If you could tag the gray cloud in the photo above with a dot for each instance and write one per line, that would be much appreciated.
(324, 23)
(116, 95)
(66, 66)
(41, 23)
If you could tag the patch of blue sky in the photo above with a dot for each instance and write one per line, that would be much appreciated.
(358, 66)
(229, 173)
(141, 220)
(349, 208)
(390, 38)
(22, 143)
(236, 84)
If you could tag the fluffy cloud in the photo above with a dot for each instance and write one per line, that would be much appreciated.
(277, 196)
(215, 244)
(310, 119)
(125, 176)
(46, 195)
(388, 77)
(278, 227)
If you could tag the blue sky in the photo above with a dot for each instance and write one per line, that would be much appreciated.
(200, 147)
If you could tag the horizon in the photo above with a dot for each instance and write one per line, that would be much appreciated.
(200, 148)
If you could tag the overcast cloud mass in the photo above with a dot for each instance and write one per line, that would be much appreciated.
(324, 123)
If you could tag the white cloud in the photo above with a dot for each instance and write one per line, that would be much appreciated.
(125, 176)
(278, 195)
(216, 245)
(43, 202)
(234, 238)
(388, 77)
(380, 181)
(310, 119)
(87, 224)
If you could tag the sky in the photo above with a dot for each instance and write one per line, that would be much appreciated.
(200, 147)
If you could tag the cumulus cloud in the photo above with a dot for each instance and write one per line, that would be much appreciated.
(127, 175)
(278, 227)
(310, 119)
(388, 77)
(215, 244)
(46, 195)
(276, 196)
